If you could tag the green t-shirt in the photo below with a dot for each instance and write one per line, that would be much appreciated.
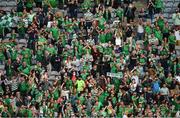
(24, 87)
(64, 41)
(103, 97)
(102, 38)
(39, 55)
(7, 101)
(56, 107)
(100, 48)
(161, 23)
(113, 67)
(114, 100)
(141, 100)
(51, 50)
(21, 28)
(166, 30)
(26, 70)
(55, 33)
(84, 76)
(108, 36)
(168, 81)
(26, 55)
(164, 52)
(14, 54)
(60, 22)
(29, 113)
(142, 60)
(80, 49)
(9, 70)
(68, 26)
(158, 35)
(42, 40)
(126, 49)
(82, 99)
(29, 4)
(2, 57)
(134, 99)
(159, 4)
(120, 112)
(164, 110)
(86, 67)
(23, 112)
(53, 3)
(148, 29)
(108, 50)
(56, 94)
(172, 39)
(101, 23)
(120, 13)
(80, 85)
(1, 29)
(177, 106)
(69, 84)
(86, 4)
(13, 36)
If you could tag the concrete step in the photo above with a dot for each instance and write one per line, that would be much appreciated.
(176, 3)
(3, 3)
(7, 9)
(168, 4)
(11, 3)
(2, 67)
(168, 0)
(166, 15)
(167, 10)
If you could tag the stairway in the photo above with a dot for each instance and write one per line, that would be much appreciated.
(7, 5)
(170, 7)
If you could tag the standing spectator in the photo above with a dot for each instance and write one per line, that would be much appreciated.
(130, 13)
(158, 6)
(151, 10)
(140, 31)
(176, 18)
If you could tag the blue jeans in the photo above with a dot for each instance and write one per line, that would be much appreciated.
(140, 36)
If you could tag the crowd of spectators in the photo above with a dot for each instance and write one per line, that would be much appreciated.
(89, 58)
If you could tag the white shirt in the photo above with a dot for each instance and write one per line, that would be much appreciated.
(133, 86)
(125, 116)
(140, 29)
(76, 64)
(65, 93)
(49, 24)
(30, 17)
(26, 22)
(68, 64)
(88, 15)
(164, 91)
(136, 78)
(118, 41)
(177, 34)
